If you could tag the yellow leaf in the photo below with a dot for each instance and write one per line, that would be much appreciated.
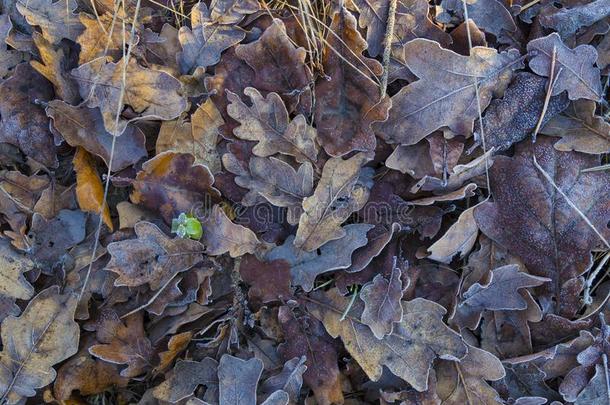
(89, 188)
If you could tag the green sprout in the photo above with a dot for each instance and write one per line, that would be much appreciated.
(187, 226)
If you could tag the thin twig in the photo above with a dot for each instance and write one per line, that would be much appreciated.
(387, 51)
(549, 91)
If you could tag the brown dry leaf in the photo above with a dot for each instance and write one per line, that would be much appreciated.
(232, 11)
(580, 129)
(101, 37)
(500, 293)
(408, 352)
(459, 238)
(55, 19)
(568, 20)
(123, 343)
(277, 182)
(89, 188)
(152, 94)
(151, 258)
(334, 255)
(184, 379)
(86, 374)
(268, 281)
(289, 380)
(382, 303)
(44, 335)
(268, 123)
(444, 95)
(489, 15)
(84, 127)
(534, 222)
(19, 195)
(305, 336)
(175, 346)
(238, 379)
(54, 68)
(220, 235)
(23, 122)
(279, 67)
(578, 75)
(514, 117)
(348, 102)
(342, 189)
(597, 391)
(464, 382)
(203, 44)
(171, 183)
(9, 58)
(199, 137)
(13, 285)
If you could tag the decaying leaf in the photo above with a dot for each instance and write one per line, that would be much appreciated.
(13, 284)
(533, 221)
(445, 95)
(576, 72)
(185, 377)
(171, 183)
(199, 137)
(408, 352)
(343, 189)
(348, 102)
(568, 20)
(220, 235)
(152, 258)
(232, 11)
(89, 188)
(151, 93)
(102, 36)
(279, 66)
(459, 238)
(9, 58)
(44, 335)
(580, 129)
(84, 127)
(55, 19)
(268, 123)
(206, 40)
(269, 281)
(382, 303)
(334, 255)
(238, 379)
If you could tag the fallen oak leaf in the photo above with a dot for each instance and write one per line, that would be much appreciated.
(459, 238)
(268, 123)
(221, 235)
(203, 44)
(171, 183)
(151, 93)
(103, 35)
(568, 20)
(152, 258)
(89, 188)
(342, 189)
(349, 101)
(445, 95)
(577, 75)
(9, 58)
(289, 380)
(238, 379)
(123, 343)
(44, 335)
(81, 126)
(334, 255)
(232, 11)
(175, 346)
(13, 284)
(269, 281)
(184, 379)
(408, 352)
(55, 19)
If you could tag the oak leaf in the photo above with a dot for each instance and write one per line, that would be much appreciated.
(279, 67)
(445, 95)
(489, 15)
(232, 11)
(44, 335)
(268, 281)
(382, 303)
(203, 44)
(342, 189)
(597, 391)
(89, 188)
(151, 93)
(123, 343)
(289, 380)
(459, 238)
(238, 379)
(580, 129)
(103, 35)
(9, 58)
(575, 68)
(171, 183)
(13, 285)
(568, 20)
(334, 255)
(152, 258)
(55, 19)
(408, 352)
(268, 123)
(534, 222)
(221, 235)
(84, 127)
(198, 137)
(350, 100)
(184, 379)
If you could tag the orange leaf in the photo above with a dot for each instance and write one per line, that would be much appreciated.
(89, 188)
